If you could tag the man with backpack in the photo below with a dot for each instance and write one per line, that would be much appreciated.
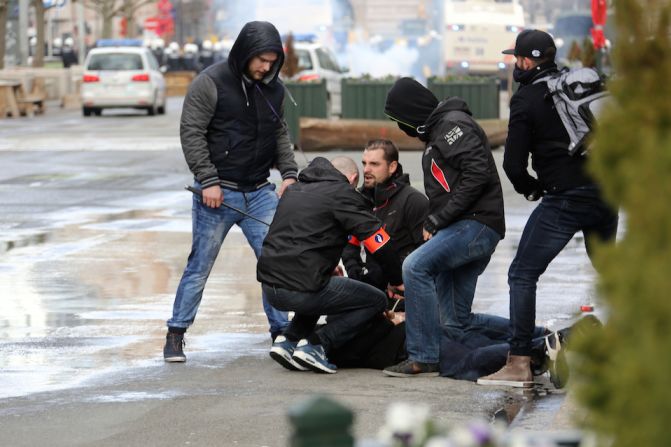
(570, 199)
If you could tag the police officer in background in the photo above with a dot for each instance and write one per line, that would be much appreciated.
(570, 199)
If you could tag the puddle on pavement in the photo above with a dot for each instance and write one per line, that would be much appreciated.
(82, 303)
(519, 401)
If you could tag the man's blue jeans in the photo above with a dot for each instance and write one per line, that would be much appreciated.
(210, 227)
(550, 227)
(349, 304)
(440, 278)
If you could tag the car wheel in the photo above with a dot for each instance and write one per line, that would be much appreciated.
(161, 110)
(98, 111)
(151, 110)
(86, 111)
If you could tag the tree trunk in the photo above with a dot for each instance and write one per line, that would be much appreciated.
(129, 13)
(38, 57)
(107, 13)
(3, 31)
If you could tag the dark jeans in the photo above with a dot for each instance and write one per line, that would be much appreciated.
(440, 278)
(350, 305)
(550, 227)
(461, 362)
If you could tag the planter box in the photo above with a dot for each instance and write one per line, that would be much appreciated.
(312, 101)
(482, 96)
(364, 99)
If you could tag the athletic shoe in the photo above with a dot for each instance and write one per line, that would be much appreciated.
(313, 357)
(281, 352)
(172, 351)
(557, 365)
(411, 368)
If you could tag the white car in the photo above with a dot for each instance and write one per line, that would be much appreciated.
(317, 62)
(116, 77)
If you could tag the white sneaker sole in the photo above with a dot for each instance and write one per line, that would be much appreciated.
(311, 363)
(512, 383)
(174, 359)
(283, 357)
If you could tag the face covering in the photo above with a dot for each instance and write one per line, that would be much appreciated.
(522, 76)
(411, 132)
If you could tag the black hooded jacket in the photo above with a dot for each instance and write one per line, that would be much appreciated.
(535, 128)
(460, 176)
(232, 128)
(311, 227)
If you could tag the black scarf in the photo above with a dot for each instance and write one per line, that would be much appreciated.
(525, 77)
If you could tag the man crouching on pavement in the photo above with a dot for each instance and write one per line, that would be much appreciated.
(300, 253)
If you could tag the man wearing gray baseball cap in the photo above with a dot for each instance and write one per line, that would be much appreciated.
(570, 201)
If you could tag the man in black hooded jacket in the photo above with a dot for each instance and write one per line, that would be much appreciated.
(400, 207)
(232, 132)
(465, 223)
(311, 226)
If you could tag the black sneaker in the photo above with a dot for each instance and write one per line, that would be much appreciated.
(411, 368)
(172, 351)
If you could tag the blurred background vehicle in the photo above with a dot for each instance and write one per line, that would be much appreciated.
(475, 32)
(120, 77)
(317, 62)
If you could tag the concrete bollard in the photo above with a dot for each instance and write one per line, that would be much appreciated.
(320, 421)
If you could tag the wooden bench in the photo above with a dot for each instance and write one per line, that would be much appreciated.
(33, 102)
(8, 103)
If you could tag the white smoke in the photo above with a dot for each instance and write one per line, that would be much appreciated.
(362, 59)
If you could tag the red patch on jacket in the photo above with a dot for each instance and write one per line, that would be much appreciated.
(439, 175)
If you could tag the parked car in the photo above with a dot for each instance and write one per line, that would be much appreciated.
(121, 77)
(317, 62)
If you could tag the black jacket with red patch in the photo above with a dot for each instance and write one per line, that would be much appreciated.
(460, 176)
(313, 221)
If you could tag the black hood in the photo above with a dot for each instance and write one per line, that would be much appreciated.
(321, 170)
(410, 104)
(256, 38)
(446, 105)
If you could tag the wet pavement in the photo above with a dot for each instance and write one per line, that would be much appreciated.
(94, 235)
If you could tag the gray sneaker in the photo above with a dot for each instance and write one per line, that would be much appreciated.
(172, 351)
(411, 368)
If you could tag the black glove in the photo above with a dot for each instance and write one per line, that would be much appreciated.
(431, 224)
(534, 195)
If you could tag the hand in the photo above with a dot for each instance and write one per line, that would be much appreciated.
(338, 271)
(396, 292)
(395, 317)
(283, 186)
(426, 235)
(213, 196)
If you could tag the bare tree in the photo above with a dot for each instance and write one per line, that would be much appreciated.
(4, 6)
(108, 9)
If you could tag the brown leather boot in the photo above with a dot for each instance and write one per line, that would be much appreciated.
(515, 373)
